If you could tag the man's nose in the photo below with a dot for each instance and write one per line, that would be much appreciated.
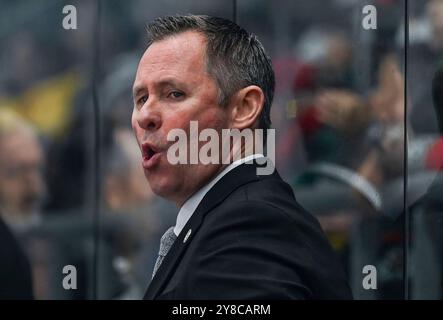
(149, 118)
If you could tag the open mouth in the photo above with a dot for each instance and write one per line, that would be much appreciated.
(149, 151)
(150, 155)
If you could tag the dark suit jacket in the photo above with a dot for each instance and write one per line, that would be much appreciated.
(15, 271)
(250, 239)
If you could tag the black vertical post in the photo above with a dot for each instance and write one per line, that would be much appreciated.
(96, 152)
(407, 217)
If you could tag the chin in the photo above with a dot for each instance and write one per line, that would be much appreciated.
(163, 187)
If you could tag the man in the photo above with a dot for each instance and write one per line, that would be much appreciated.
(18, 153)
(22, 187)
(238, 235)
(427, 215)
(15, 270)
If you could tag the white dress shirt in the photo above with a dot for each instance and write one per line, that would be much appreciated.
(192, 203)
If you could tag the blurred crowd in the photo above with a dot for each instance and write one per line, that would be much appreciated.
(339, 115)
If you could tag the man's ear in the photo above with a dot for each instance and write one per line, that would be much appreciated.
(246, 107)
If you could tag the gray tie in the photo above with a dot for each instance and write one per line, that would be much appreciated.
(165, 244)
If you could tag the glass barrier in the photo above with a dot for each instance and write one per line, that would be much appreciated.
(352, 81)
(47, 150)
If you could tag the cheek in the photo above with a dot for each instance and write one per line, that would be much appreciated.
(178, 120)
(211, 117)
(134, 123)
(136, 129)
(216, 119)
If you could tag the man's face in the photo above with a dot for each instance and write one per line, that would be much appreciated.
(21, 179)
(172, 88)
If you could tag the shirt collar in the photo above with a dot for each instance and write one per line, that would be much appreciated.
(192, 203)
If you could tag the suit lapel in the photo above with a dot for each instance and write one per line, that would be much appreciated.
(235, 178)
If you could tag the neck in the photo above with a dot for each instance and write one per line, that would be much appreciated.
(236, 153)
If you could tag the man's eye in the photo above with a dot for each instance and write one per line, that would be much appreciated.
(143, 99)
(176, 94)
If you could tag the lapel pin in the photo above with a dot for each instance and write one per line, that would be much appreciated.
(187, 236)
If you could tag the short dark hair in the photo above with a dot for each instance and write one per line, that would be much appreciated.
(234, 57)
